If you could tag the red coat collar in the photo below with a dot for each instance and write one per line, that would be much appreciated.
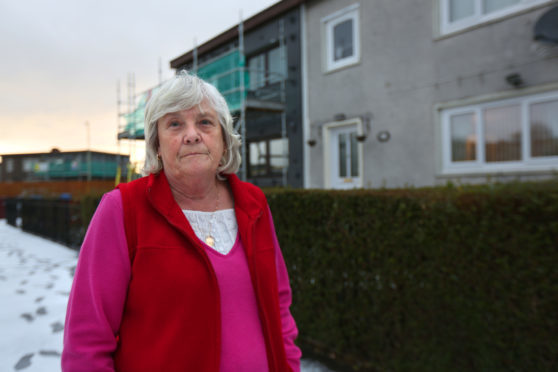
(247, 197)
(249, 204)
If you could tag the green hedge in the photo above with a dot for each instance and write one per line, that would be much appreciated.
(440, 279)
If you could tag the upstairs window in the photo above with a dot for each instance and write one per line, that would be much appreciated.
(267, 68)
(515, 135)
(342, 44)
(460, 14)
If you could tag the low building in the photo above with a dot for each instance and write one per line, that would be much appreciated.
(58, 166)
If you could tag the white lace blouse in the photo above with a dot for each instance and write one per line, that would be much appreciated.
(221, 225)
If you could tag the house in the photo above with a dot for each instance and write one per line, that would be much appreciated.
(256, 65)
(422, 93)
(379, 93)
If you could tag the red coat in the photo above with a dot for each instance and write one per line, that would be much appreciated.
(172, 316)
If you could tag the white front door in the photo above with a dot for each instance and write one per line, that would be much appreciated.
(345, 157)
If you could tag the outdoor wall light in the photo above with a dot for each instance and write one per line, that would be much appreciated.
(311, 142)
(514, 80)
(361, 138)
(339, 117)
(383, 136)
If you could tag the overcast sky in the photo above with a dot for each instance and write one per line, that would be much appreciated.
(61, 60)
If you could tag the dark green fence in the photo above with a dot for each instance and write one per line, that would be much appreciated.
(55, 219)
(11, 206)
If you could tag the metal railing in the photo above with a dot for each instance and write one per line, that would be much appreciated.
(56, 219)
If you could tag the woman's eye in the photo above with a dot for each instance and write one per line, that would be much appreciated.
(174, 124)
(206, 122)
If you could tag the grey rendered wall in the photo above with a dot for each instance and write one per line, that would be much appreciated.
(406, 72)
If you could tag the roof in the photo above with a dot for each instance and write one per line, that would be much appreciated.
(232, 33)
(60, 152)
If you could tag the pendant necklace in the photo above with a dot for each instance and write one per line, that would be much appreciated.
(209, 239)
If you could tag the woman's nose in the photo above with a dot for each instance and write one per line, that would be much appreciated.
(191, 136)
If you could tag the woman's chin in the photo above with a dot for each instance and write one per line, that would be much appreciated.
(196, 169)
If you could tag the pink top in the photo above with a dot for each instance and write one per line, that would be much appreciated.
(99, 292)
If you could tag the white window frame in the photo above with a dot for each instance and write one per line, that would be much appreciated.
(328, 23)
(447, 27)
(480, 166)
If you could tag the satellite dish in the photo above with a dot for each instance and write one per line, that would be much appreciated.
(546, 27)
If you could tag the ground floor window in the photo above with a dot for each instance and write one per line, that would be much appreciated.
(519, 133)
(267, 157)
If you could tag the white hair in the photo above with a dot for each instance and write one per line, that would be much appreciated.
(183, 92)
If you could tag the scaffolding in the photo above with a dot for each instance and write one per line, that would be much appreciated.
(230, 75)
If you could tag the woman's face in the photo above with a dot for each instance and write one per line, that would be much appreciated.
(191, 142)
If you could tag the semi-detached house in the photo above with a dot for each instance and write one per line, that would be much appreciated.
(383, 93)
(415, 93)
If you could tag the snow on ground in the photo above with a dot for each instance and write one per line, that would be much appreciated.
(35, 281)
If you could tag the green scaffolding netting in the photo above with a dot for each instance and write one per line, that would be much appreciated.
(134, 127)
(225, 73)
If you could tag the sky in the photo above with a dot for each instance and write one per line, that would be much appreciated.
(61, 62)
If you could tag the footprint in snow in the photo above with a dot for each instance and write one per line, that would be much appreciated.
(27, 317)
(57, 327)
(41, 310)
(53, 353)
(24, 362)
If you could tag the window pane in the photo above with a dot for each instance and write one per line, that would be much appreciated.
(502, 133)
(28, 165)
(354, 155)
(343, 40)
(544, 129)
(463, 137)
(342, 155)
(490, 6)
(459, 9)
(278, 151)
(256, 65)
(258, 155)
(277, 67)
(9, 165)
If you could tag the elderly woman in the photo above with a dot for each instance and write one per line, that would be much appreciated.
(181, 270)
